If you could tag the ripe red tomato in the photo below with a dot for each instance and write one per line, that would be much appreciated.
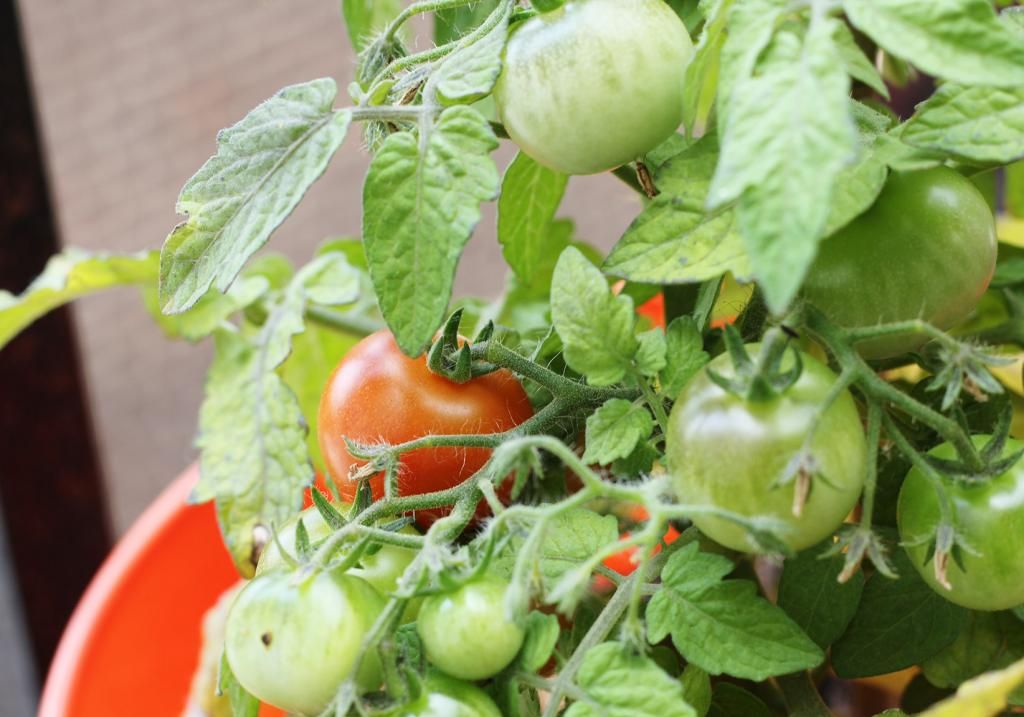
(622, 561)
(377, 393)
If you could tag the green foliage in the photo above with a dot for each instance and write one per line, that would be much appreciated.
(812, 596)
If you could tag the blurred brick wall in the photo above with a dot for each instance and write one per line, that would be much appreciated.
(131, 94)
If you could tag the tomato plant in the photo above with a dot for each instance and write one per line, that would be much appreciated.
(467, 633)
(987, 573)
(606, 67)
(733, 453)
(829, 305)
(376, 393)
(280, 620)
(926, 249)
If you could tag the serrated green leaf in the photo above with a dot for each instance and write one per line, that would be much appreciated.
(696, 689)
(724, 627)
(983, 124)
(899, 623)
(210, 312)
(685, 355)
(596, 327)
(989, 641)
(701, 80)
(418, 212)
(614, 430)
(640, 461)
(857, 188)
(69, 275)
(263, 166)
(749, 28)
(788, 136)
(530, 196)
(650, 357)
(252, 436)
(470, 73)
(811, 594)
(960, 40)
(731, 700)
(364, 18)
(569, 539)
(623, 684)
(984, 696)
(542, 633)
(857, 65)
(674, 240)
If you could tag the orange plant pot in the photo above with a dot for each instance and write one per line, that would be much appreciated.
(133, 642)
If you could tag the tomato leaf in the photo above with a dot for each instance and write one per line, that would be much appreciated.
(624, 684)
(685, 355)
(530, 196)
(212, 310)
(960, 40)
(811, 594)
(697, 689)
(651, 356)
(614, 430)
(419, 209)
(983, 124)
(788, 135)
(701, 80)
(899, 623)
(674, 240)
(542, 632)
(365, 17)
(253, 457)
(723, 626)
(470, 73)
(596, 327)
(263, 166)
(242, 703)
(452, 24)
(69, 275)
(731, 700)
(857, 65)
(984, 696)
(989, 641)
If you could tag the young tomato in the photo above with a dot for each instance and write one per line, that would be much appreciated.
(466, 633)
(291, 642)
(926, 249)
(989, 517)
(445, 696)
(727, 452)
(594, 84)
(377, 393)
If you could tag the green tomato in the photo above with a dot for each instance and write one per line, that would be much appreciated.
(594, 84)
(726, 452)
(445, 696)
(989, 517)
(466, 633)
(291, 642)
(926, 249)
(381, 569)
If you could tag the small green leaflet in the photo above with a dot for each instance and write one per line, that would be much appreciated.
(899, 623)
(614, 429)
(263, 166)
(453, 23)
(363, 18)
(858, 185)
(595, 326)
(696, 689)
(419, 210)
(959, 40)
(530, 196)
(702, 73)
(210, 312)
(685, 355)
(542, 632)
(242, 703)
(981, 124)
(69, 275)
(651, 356)
(984, 696)
(674, 240)
(470, 73)
(788, 135)
(989, 641)
(857, 64)
(731, 700)
(624, 684)
(723, 626)
(811, 594)
(253, 457)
